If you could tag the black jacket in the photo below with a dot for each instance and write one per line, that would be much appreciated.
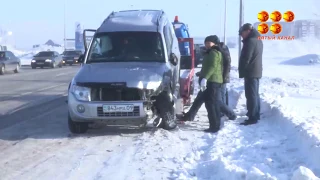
(226, 62)
(250, 61)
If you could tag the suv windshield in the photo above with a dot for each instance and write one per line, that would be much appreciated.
(72, 53)
(45, 54)
(127, 47)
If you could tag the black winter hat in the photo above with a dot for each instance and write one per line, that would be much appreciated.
(212, 38)
(245, 27)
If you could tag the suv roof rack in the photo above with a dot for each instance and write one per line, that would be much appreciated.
(158, 20)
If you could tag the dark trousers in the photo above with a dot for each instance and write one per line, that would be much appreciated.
(213, 102)
(251, 87)
(200, 99)
(223, 93)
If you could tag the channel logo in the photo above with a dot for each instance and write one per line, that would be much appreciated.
(275, 28)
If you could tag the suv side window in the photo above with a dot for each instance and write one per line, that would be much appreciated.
(168, 37)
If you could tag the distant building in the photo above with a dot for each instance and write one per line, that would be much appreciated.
(77, 43)
(51, 43)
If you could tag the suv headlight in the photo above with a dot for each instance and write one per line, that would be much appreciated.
(81, 93)
(153, 85)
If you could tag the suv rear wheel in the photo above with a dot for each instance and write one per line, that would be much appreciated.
(2, 69)
(17, 70)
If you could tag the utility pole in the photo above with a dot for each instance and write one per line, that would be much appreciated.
(225, 22)
(241, 19)
(64, 24)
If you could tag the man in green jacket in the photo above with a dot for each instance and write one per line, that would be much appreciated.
(211, 80)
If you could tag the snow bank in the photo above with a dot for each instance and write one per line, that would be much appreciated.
(309, 59)
(277, 148)
(303, 173)
(15, 51)
(272, 150)
(289, 49)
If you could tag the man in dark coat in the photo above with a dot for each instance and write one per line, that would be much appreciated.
(199, 100)
(250, 68)
(226, 70)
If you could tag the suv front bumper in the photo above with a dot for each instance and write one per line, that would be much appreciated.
(93, 111)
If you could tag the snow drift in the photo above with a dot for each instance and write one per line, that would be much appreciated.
(309, 59)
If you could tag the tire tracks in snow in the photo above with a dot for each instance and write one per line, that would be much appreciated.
(45, 147)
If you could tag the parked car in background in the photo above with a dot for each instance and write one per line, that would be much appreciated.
(71, 57)
(199, 51)
(43, 59)
(9, 62)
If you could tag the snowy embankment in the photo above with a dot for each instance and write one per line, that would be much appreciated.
(285, 144)
(273, 149)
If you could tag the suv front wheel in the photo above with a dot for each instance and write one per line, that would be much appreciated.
(77, 127)
(166, 111)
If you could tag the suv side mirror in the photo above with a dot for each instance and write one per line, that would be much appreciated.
(173, 59)
(81, 58)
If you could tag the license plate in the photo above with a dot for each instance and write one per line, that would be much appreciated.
(70, 60)
(40, 63)
(118, 108)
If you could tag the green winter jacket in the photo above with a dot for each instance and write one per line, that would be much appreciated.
(212, 66)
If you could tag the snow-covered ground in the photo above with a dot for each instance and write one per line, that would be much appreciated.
(284, 145)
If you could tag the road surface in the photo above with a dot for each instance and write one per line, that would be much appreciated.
(35, 142)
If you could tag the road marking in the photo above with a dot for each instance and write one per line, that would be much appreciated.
(26, 93)
(50, 87)
(64, 74)
(61, 74)
(39, 90)
(33, 72)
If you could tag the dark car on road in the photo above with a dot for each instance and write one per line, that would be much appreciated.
(50, 59)
(71, 57)
(9, 62)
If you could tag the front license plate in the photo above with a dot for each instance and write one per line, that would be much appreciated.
(40, 63)
(118, 108)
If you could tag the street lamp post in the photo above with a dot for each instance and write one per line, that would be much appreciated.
(64, 24)
(225, 22)
(240, 24)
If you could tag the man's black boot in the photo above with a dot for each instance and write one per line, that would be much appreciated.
(249, 122)
(186, 117)
(232, 117)
(212, 130)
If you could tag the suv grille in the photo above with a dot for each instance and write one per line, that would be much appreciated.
(117, 94)
(136, 112)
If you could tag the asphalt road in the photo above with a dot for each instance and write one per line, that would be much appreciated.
(32, 92)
